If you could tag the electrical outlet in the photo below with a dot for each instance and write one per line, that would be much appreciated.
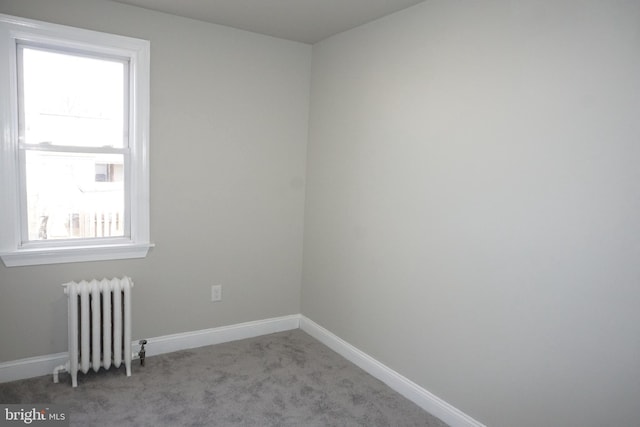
(216, 293)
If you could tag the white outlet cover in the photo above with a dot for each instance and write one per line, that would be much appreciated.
(216, 293)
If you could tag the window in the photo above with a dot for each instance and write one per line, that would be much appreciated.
(73, 144)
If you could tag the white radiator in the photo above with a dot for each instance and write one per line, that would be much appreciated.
(99, 326)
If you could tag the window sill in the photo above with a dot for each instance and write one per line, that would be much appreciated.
(40, 256)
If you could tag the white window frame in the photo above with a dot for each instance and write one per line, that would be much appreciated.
(13, 250)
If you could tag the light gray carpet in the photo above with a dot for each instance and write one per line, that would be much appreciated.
(283, 379)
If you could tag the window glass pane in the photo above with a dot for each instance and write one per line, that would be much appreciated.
(72, 100)
(73, 195)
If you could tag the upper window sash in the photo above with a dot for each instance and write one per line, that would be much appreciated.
(89, 63)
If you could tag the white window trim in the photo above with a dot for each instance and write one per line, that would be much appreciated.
(12, 250)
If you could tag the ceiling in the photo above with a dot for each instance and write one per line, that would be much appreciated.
(307, 21)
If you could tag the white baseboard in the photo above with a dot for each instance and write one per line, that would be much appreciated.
(43, 365)
(418, 395)
(31, 367)
(201, 338)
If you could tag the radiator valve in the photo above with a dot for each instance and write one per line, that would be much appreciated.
(142, 352)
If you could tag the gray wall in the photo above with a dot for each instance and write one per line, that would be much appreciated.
(228, 148)
(473, 204)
